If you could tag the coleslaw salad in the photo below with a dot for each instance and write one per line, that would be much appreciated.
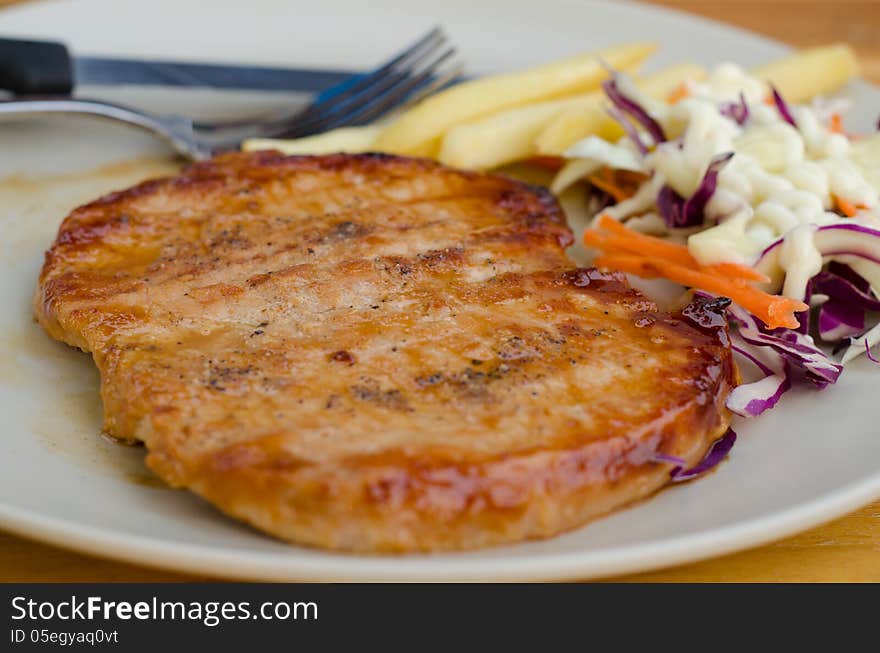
(730, 191)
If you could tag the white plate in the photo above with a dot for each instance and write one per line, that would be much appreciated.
(812, 459)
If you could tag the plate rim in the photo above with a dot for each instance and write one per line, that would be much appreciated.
(199, 559)
(193, 559)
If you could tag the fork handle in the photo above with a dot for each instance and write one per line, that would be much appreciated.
(35, 67)
(177, 131)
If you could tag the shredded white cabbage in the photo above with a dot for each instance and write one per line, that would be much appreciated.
(783, 182)
(601, 151)
(780, 178)
(870, 338)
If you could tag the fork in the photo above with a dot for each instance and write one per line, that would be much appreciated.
(423, 67)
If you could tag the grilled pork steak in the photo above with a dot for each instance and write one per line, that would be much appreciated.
(374, 353)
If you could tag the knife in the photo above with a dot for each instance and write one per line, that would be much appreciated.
(48, 68)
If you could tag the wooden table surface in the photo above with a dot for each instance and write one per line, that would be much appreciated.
(846, 550)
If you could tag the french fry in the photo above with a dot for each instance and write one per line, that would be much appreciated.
(502, 119)
(799, 77)
(591, 119)
(808, 73)
(571, 126)
(344, 139)
(476, 99)
(504, 137)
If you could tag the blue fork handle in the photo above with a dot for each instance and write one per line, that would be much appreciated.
(341, 87)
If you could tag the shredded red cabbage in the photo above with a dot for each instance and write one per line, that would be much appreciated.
(851, 346)
(838, 321)
(678, 212)
(752, 399)
(738, 111)
(849, 298)
(849, 294)
(803, 317)
(843, 284)
(797, 349)
(667, 458)
(628, 127)
(776, 353)
(717, 452)
(846, 271)
(839, 239)
(782, 107)
(630, 107)
(868, 353)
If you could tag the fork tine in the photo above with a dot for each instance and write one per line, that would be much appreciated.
(406, 75)
(425, 85)
(403, 90)
(421, 47)
(393, 86)
(405, 59)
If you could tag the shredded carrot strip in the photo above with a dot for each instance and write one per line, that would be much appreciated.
(846, 207)
(774, 310)
(633, 242)
(592, 238)
(549, 162)
(631, 263)
(629, 251)
(639, 247)
(835, 124)
(620, 184)
(679, 93)
(631, 177)
(619, 194)
(737, 271)
(643, 244)
(617, 244)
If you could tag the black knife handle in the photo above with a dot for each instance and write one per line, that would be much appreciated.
(35, 67)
